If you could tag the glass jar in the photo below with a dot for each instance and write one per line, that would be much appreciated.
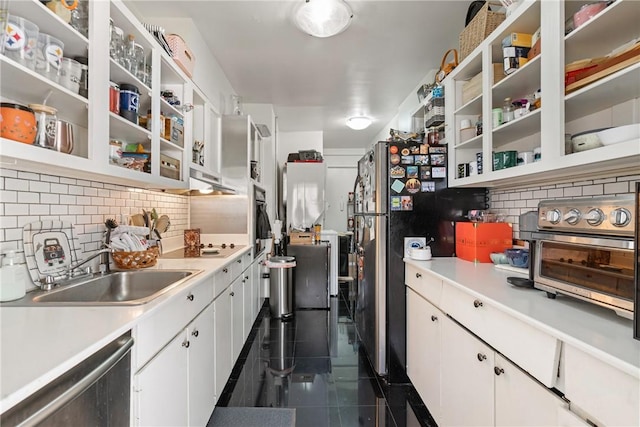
(114, 98)
(46, 119)
(479, 126)
(116, 43)
(130, 61)
(507, 111)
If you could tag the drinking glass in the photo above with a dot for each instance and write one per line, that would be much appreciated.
(116, 43)
(21, 40)
(49, 56)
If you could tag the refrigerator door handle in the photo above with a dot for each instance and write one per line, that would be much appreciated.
(369, 214)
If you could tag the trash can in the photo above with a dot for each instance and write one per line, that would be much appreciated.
(281, 286)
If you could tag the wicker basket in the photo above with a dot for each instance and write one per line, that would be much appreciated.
(138, 259)
(479, 28)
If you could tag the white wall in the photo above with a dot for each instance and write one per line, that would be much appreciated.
(342, 168)
(292, 142)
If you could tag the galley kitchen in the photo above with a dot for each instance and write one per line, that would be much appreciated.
(319, 213)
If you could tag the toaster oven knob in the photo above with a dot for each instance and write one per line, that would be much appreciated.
(594, 217)
(553, 216)
(572, 216)
(620, 217)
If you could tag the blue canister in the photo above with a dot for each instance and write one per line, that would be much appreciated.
(129, 101)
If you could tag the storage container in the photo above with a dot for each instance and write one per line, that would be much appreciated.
(475, 241)
(182, 55)
(483, 24)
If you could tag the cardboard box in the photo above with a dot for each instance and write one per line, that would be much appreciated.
(514, 58)
(517, 40)
(535, 50)
(301, 238)
(473, 87)
(476, 240)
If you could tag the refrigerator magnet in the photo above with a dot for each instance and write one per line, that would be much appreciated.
(421, 159)
(424, 149)
(397, 186)
(393, 149)
(397, 172)
(412, 171)
(415, 149)
(407, 160)
(425, 172)
(428, 187)
(438, 150)
(413, 185)
(396, 203)
(438, 172)
(394, 159)
(405, 152)
(407, 203)
(438, 159)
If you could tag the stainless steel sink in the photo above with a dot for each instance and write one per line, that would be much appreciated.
(117, 288)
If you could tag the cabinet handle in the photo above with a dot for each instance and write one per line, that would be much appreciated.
(477, 303)
(418, 275)
(195, 333)
(239, 261)
(190, 297)
(232, 293)
(246, 277)
(498, 371)
(225, 270)
(481, 357)
(434, 318)
(186, 344)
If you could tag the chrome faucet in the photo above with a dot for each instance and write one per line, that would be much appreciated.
(49, 282)
(104, 262)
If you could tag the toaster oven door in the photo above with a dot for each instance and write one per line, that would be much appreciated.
(598, 270)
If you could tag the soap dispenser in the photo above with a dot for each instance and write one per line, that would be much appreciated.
(13, 278)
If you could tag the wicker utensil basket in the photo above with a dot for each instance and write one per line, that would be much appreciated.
(137, 259)
(480, 27)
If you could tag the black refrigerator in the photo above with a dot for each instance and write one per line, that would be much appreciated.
(401, 191)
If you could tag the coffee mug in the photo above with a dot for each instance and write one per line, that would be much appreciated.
(525, 157)
(510, 158)
(63, 141)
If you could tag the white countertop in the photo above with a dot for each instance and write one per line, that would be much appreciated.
(37, 344)
(593, 329)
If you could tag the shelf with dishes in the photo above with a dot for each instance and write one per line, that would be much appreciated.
(48, 22)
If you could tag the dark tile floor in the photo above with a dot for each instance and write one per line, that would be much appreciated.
(314, 363)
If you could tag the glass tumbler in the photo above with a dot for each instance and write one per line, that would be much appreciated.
(49, 56)
(116, 43)
(138, 62)
(21, 41)
(80, 17)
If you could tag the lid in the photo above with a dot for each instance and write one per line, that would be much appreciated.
(114, 85)
(282, 259)
(16, 106)
(127, 86)
(39, 108)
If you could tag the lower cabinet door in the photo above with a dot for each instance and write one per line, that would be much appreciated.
(202, 391)
(247, 317)
(161, 386)
(237, 316)
(222, 326)
(423, 350)
(467, 378)
(522, 401)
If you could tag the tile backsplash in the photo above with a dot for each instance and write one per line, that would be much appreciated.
(26, 197)
(516, 201)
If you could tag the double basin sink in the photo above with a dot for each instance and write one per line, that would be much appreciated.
(117, 288)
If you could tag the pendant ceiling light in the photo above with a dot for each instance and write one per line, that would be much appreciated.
(323, 18)
(358, 122)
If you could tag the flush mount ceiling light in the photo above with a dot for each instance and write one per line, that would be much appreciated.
(358, 122)
(323, 18)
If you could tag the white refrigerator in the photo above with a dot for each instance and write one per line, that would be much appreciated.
(305, 194)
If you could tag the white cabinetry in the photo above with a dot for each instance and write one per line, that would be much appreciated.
(173, 383)
(240, 145)
(236, 291)
(610, 101)
(222, 325)
(205, 134)
(423, 350)
(93, 124)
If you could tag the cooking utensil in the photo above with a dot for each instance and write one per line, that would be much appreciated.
(138, 220)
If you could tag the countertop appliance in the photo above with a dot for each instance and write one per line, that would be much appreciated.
(205, 250)
(584, 249)
(311, 275)
(401, 191)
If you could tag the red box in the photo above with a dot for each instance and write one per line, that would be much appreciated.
(476, 240)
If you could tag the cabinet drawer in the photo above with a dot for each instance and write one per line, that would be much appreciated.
(425, 284)
(587, 379)
(222, 279)
(533, 350)
(153, 332)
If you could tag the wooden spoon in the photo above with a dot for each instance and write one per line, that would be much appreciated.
(137, 220)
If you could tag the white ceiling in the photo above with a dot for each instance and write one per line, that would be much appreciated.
(315, 84)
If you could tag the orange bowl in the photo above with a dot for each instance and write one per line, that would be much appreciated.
(17, 123)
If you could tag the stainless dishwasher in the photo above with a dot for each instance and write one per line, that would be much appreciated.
(96, 392)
